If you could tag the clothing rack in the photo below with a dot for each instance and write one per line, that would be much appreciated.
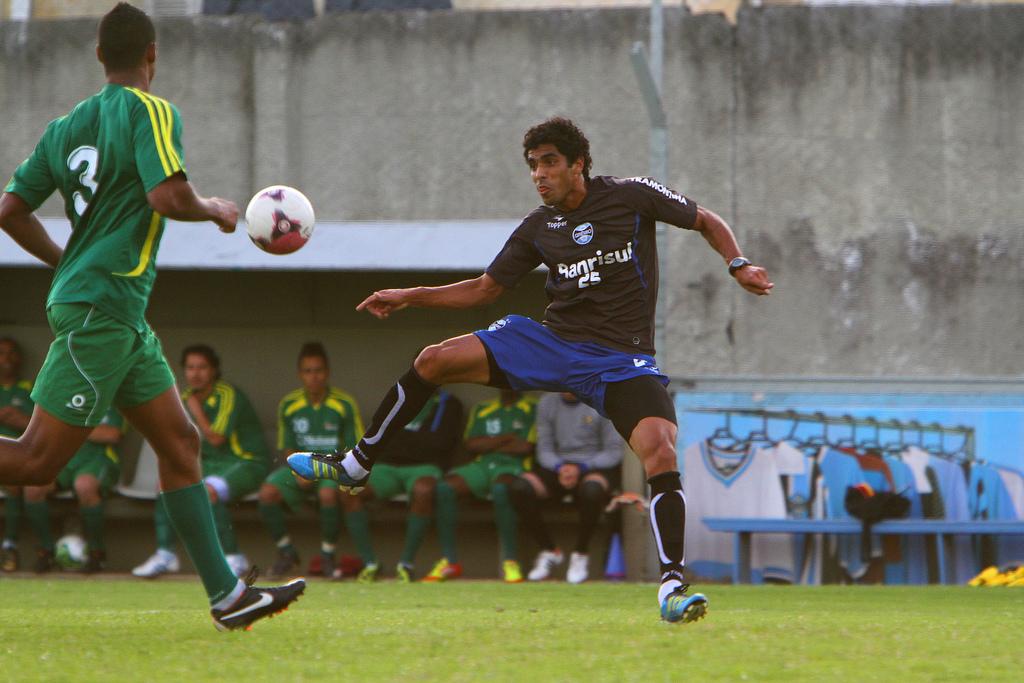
(965, 453)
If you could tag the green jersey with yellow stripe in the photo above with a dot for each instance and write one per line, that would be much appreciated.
(19, 396)
(330, 425)
(232, 416)
(491, 418)
(103, 157)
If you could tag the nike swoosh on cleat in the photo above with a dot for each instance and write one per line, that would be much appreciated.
(265, 599)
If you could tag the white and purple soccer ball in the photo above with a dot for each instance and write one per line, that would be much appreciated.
(279, 219)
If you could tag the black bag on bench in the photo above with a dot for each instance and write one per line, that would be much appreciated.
(870, 507)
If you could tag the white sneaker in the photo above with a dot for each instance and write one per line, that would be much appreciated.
(160, 562)
(579, 568)
(545, 562)
(239, 563)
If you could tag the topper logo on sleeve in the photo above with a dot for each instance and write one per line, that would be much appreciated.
(557, 223)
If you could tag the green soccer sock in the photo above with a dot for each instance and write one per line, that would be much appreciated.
(447, 518)
(358, 524)
(165, 539)
(92, 524)
(273, 519)
(225, 529)
(188, 509)
(39, 519)
(505, 518)
(330, 525)
(12, 518)
(415, 531)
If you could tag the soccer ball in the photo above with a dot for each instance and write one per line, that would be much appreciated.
(279, 219)
(71, 551)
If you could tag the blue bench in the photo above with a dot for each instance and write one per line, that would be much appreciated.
(744, 528)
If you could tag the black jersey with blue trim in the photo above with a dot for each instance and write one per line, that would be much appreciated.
(602, 260)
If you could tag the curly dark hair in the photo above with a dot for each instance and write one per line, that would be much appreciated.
(125, 33)
(313, 349)
(565, 136)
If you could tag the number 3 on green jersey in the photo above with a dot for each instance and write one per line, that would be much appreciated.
(104, 157)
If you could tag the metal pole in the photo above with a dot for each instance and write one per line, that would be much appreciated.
(649, 77)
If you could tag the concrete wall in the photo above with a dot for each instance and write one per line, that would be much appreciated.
(870, 157)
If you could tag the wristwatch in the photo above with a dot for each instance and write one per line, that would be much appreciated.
(737, 263)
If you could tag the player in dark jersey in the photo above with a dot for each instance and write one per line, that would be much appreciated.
(118, 163)
(597, 238)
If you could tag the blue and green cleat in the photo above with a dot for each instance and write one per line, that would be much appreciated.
(318, 466)
(680, 607)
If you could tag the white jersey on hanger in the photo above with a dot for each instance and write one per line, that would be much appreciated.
(724, 483)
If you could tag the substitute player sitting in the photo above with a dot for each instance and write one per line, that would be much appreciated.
(317, 416)
(15, 409)
(597, 238)
(91, 475)
(500, 435)
(118, 162)
(579, 454)
(410, 464)
(234, 457)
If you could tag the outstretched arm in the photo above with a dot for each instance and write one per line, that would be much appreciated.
(176, 198)
(466, 294)
(18, 221)
(719, 235)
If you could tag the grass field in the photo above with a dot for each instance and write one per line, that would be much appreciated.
(114, 630)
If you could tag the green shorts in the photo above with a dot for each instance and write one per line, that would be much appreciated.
(92, 462)
(96, 361)
(387, 481)
(480, 474)
(242, 477)
(294, 490)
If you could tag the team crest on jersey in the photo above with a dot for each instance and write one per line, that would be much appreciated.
(300, 425)
(582, 234)
(557, 223)
(497, 325)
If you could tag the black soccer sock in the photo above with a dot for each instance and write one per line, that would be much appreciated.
(668, 521)
(528, 507)
(591, 498)
(401, 404)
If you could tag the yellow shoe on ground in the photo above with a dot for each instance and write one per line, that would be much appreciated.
(443, 571)
(511, 571)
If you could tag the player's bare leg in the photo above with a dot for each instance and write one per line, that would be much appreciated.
(653, 440)
(455, 360)
(163, 423)
(40, 453)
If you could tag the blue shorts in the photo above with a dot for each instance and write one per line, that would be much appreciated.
(535, 358)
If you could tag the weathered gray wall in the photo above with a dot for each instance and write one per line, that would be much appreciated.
(870, 157)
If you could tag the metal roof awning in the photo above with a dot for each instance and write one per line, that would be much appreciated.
(468, 245)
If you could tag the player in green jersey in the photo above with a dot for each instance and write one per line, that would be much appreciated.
(501, 434)
(234, 457)
(15, 409)
(317, 416)
(91, 475)
(118, 163)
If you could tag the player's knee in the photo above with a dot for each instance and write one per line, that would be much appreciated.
(269, 494)
(430, 364)
(35, 494)
(423, 489)
(87, 490)
(592, 492)
(328, 497)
